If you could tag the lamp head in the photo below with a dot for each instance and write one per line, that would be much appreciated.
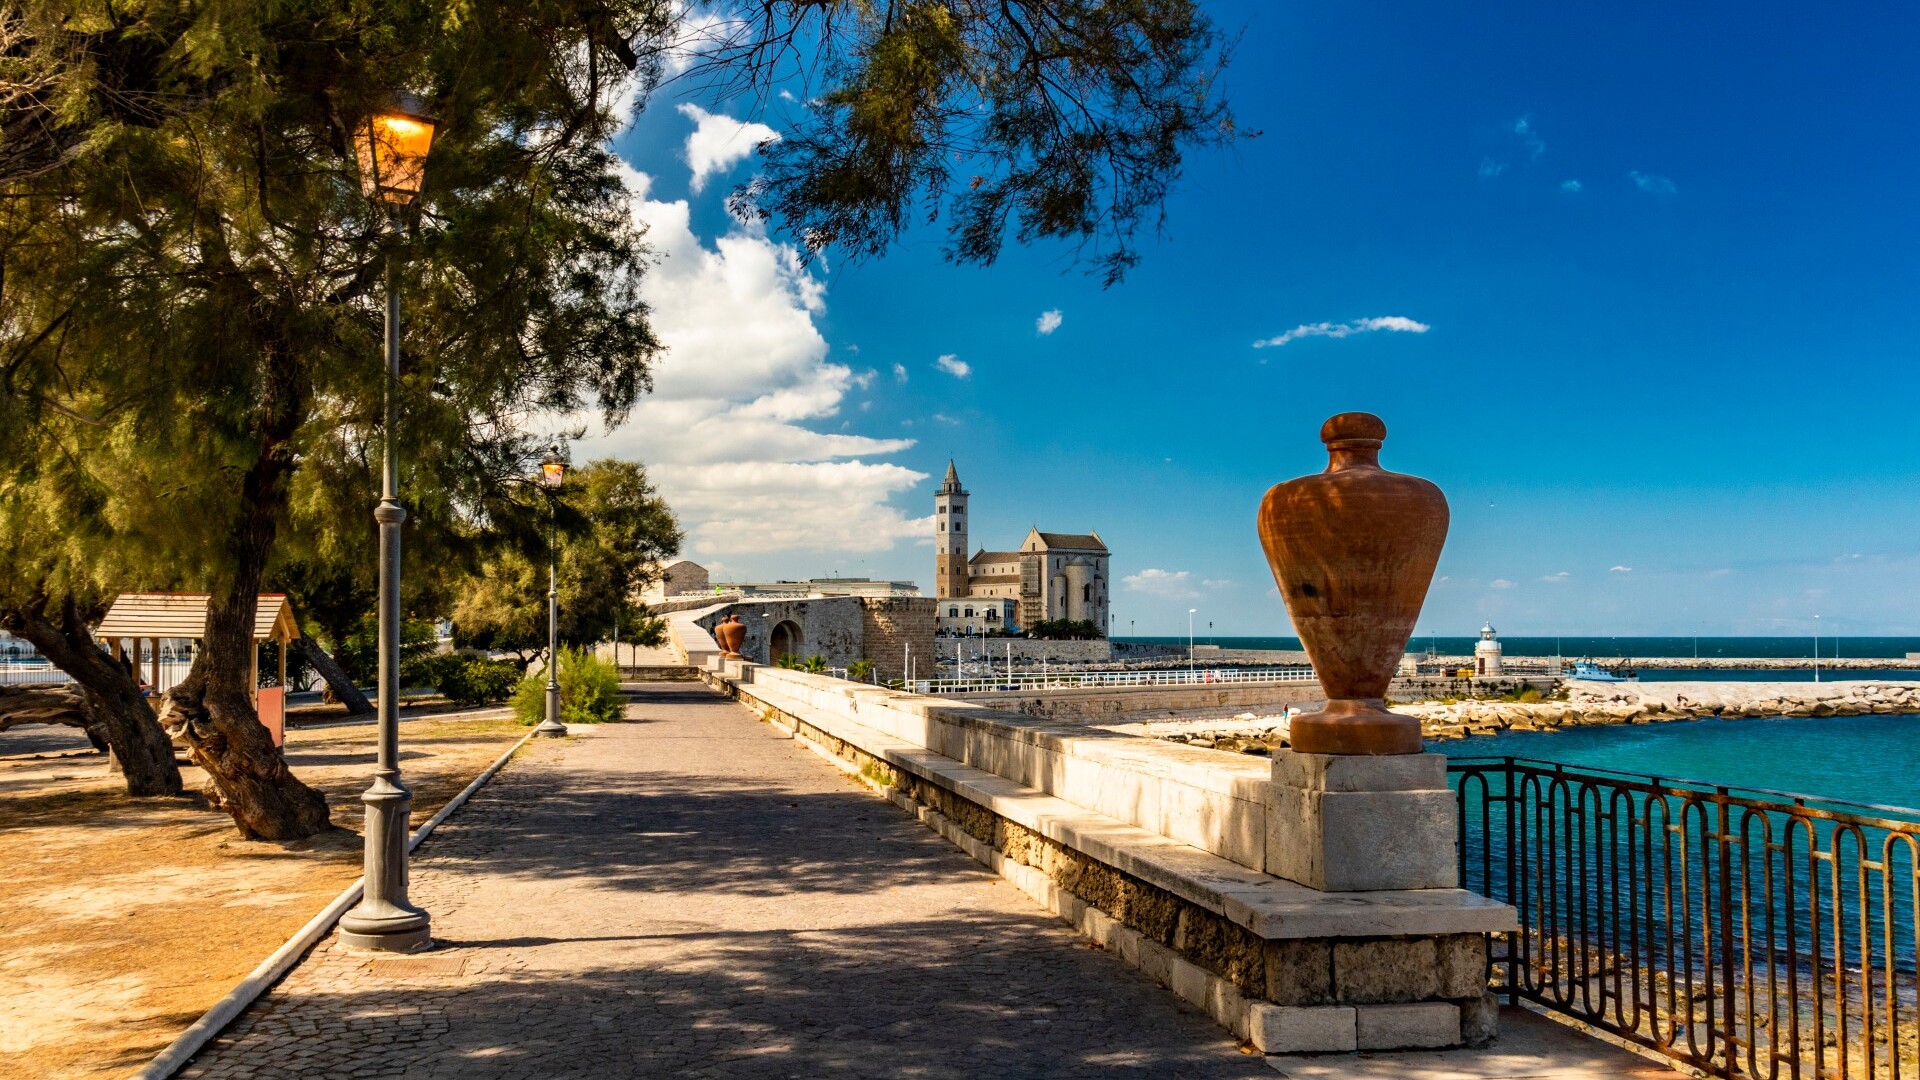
(392, 145)
(553, 471)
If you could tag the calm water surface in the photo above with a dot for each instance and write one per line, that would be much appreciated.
(1869, 759)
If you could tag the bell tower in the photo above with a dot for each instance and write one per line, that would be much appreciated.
(950, 536)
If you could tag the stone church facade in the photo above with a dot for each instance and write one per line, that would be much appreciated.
(1052, 575)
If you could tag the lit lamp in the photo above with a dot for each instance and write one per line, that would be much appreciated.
(553, 473)
(392, 151)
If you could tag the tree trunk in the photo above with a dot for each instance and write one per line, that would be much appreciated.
(212, 710)
(22, 705)
(122, 716)
(343, 689)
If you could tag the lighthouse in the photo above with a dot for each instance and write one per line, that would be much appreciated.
(1486, 654)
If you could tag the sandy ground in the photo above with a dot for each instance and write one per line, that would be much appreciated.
(122, 920)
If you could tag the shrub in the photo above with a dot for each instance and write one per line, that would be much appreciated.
(816, 664)
(860, 670)
(787, 661)
(462, 678)
(589, 691)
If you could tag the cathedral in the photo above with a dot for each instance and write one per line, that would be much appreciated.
(1052, 576)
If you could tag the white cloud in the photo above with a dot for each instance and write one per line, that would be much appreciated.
(1165, 584)
(1500, 583)
(943, 418)
(725, 432)
(1572, 187)
(1490, 168)
(1557, 579)
(954, 366)
(1536, 146)
(1399, 324)
(1217, 583)
(1653, 183)
(900, 374)
(719, 142)
(1047, 323)
(1619, 569)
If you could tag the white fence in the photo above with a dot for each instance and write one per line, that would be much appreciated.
(1079, 680)
(41, 673)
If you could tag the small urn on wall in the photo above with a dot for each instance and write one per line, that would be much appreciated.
(1353, 550)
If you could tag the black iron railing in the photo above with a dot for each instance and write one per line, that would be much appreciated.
(1747, 933)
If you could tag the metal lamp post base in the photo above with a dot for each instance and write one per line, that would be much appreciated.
(385, 920)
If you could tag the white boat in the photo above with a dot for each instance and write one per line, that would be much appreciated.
(1588, 671)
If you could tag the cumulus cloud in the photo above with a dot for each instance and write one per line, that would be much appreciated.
(1572, 187)
(954, 366)
(900, 374)
(1047, 323)
(1619, 569)
(1398, 324)
(1499, 583)
(1557, 579)
(726, 433)
(1653, 183)
(719, 142)
(1217, 583)
(1164, 584)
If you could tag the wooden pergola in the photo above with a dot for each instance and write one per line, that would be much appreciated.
(155, 616)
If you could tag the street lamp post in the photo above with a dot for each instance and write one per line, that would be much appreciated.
(553, 473)
(392, 152)
(1190, 614)
(1816, 648)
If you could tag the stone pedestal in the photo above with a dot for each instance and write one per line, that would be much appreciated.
(1356, 823)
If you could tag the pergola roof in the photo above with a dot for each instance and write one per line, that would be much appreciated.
(184, 615)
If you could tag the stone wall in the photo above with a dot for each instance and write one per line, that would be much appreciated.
(893, 624)
(832, 627)
(1108, 704)
(1082, 823)
(1027, 652)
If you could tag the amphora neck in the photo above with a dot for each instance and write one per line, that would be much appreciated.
(1344, 454)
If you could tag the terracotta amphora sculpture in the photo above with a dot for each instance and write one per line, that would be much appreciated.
(1353, 550)
(731, 633)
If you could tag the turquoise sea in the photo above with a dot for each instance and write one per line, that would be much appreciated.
(1866, 759)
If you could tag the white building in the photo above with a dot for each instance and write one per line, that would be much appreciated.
(1486, 653)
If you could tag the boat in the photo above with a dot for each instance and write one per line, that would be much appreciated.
(1588, 671)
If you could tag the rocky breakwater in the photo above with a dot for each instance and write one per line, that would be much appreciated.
(1588, 703)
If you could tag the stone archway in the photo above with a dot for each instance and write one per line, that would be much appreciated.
(786, 640)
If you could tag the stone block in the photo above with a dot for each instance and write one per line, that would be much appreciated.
(1480, 1020)
(1190, 981)
(1299, 972)
(1281, 1029)
(1385, 971)
(1463, 965)
(1428, 1025)
(1357, 772)
(1156, 961)
(1363, 841)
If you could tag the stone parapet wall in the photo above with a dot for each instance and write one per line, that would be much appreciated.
(1082, 821)
(1116, 703)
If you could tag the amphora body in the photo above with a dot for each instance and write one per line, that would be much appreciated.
(1353, 550)
(730, 633)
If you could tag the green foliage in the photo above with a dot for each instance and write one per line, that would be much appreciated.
(860, 670)
(589, 691)
(816, 664)
(463, 678)
(359, 653)
(1064, 629)
(788, 661)
(613, 530)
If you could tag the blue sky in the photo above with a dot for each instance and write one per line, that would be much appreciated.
(1666, 259)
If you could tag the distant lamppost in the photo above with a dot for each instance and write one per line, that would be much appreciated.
(553, 473)
(1816, 648)
(1190, 614)
(392, 150)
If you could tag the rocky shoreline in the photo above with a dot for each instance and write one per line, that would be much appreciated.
(1586, 704)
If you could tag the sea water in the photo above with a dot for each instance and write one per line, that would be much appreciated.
(1862, 759)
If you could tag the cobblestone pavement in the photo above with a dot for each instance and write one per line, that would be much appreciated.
(694, 894)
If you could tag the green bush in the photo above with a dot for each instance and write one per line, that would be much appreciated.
(816, 664)
(589, 691)
(462, 677)
(860, 670)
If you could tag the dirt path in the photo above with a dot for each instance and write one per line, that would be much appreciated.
(125, 919)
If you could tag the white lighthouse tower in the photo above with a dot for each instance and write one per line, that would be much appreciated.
(1486, 653)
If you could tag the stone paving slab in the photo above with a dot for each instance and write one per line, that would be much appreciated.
(693, 894)
(1530, 1047)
